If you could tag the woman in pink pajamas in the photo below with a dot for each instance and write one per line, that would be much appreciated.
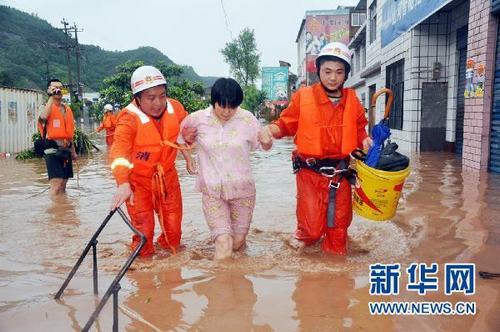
(225, 136)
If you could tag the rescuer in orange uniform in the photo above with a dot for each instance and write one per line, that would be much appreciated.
(328, 123)
(57, 119)
(108, 123)
(143, 160)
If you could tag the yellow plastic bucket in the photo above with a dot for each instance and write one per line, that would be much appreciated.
(377, 193)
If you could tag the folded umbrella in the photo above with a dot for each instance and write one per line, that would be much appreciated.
(381, 131)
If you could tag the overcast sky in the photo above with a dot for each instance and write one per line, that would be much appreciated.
(189, 32)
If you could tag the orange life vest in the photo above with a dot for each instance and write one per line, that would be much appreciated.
(308, 138)
(150, 146)
(109, 121)
(59, 126)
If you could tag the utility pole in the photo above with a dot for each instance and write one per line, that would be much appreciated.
(67, 47)
(78, 64)
(83, 109)
(76, 91)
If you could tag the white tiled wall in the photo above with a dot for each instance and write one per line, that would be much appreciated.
(434, 40)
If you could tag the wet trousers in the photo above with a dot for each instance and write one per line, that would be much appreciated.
(232, 216)
(110, 133)
(142, 212)
(312, 205)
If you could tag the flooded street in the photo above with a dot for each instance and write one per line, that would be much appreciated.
(444, 216)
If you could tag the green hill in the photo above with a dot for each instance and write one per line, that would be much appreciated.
(31, 51)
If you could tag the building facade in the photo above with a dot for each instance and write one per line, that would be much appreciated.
(438, 57)
(318, 28)
(18, 118)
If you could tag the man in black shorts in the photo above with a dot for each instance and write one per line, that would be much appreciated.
(57, 120)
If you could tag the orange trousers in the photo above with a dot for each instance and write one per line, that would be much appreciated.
(142, 213)
(110, 133)
(312, 206)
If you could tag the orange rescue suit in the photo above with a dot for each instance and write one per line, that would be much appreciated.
(141, 156)
(323, 130)
(108, 123)
(59, 126)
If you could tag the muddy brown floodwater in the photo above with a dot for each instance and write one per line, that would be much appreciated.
(444, 216)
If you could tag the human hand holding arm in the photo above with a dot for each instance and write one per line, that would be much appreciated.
(265, 138)
(189, 134)
(274, 130)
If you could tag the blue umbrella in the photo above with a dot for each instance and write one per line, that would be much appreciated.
(381, 131)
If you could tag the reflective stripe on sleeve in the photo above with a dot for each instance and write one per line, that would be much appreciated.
(121, 162)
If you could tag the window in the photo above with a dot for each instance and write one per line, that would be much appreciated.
(395, 82)
(357, 59)
(357, 19)
(373, 21)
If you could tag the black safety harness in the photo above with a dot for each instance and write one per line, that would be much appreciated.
(335, 170)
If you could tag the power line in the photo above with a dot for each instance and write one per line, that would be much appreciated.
(69, 45)
(79, 86)
(225, 18)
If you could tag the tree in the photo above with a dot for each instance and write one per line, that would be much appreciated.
(172, 72)
(117, 89)
(243, 58)
(6, 79)
(253, 98)
(189, 95)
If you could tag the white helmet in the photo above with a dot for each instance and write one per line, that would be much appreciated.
(108, 107)
(146, 77)
(336, 50)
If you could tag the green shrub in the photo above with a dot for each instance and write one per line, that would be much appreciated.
(26, 154)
